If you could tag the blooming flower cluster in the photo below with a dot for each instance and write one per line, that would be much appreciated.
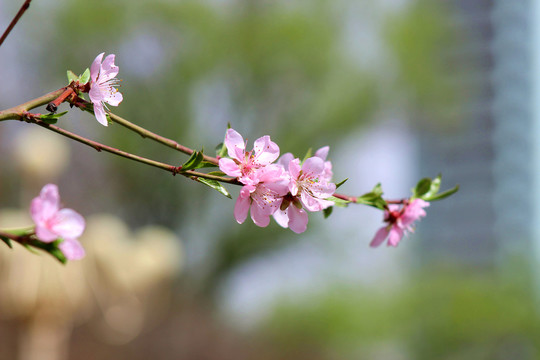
(400, 221)
(103, 86)
(285, 190)
(53, 223)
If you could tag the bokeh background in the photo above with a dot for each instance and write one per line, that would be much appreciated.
(399, 89)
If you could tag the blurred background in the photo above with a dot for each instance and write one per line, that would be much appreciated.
(399, 89)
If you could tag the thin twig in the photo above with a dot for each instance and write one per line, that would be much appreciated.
(87, 106)
(23, 8)
(34, 118)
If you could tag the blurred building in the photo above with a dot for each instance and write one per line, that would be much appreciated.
(492, 150)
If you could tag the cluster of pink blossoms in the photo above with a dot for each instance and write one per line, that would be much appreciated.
(53, 223)
(285, 190)
(400, 221)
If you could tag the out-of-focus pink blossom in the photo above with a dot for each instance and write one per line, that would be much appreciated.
(103, 86)
(243, 164)
(264, 198)
(400, 221)
(53, 223)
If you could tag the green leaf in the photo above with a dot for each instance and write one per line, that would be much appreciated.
(373, 198)
(444, 194)
(206, 164)
(309, 153)
(58, 255)
(71, 76)
(338, 202)
(434, 188)
(85, 77)
(215, 185)
(328, 211)
(50, 248)
(221, 150)
(377, 189)
(7, 241)
(422, 187)
(217, 173)
(192, 163)
(341, 183)
(52, 118)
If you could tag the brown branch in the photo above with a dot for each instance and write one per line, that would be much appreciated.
(23, 8)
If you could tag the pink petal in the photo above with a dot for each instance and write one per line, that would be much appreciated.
(108, 69)
(72, 249)
(229, 167)
(265, 151)
(96, 66)
(285, 159)
(322, 152)
(309, 202)
(43, 233)
(414, 211)
(281, 218)
(241, 208)
(294, 168)
(313, 165)
(100, 114)
(380, 236)
(67, 223)
(395, 236)
(95, 94)
(114, 98)
(45, 205)
(235, 145)
(322, 189)
(298, 219)
(259, 215)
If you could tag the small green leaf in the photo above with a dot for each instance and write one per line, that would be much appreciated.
(309, 153)
(50, 248)
(377, 189)
(206, 164)
(83, 79)
(444, 194)
(58, 255)
(52, 118)
(422, 187)
(217, 173)
(338, 202)
(71, 76)
(373, 198)
(341, 183)
(328, 211)
(192, 163)
(7, 241)
(215, 185)
(221, 150)
(434, 189)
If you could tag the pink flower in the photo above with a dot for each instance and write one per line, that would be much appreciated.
(400, 221)
(103, 86)
(53, 223)
(327, 172)
(309, 182)
(309, 187)
(264, 198)
(244, 165)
